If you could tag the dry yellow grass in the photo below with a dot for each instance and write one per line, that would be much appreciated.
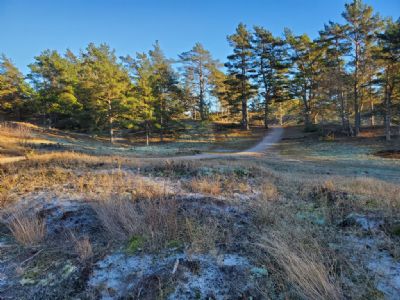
(120, 184)
(304, 266)
(14, 138)
(205, 185)
(16, 130)
(156, 221)
(370, 193)
(217, 185)
(268, 191)
(28, 230)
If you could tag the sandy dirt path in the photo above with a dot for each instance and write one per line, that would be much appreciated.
(273, 136)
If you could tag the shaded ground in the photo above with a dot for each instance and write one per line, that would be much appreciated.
(197, 138)
(388, 154)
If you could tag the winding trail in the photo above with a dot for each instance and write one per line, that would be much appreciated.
(273, 136)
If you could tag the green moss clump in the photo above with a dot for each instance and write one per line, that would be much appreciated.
(135, 243)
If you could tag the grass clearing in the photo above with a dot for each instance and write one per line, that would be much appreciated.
(300, 222)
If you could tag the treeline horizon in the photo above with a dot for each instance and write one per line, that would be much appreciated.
(349, 74)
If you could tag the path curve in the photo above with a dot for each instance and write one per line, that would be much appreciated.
(273, 136)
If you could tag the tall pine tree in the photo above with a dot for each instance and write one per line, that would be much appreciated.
(240, 65)
(199, 66)
(361, 28)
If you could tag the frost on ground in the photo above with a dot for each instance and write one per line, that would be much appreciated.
(368, 251)
(193, 276)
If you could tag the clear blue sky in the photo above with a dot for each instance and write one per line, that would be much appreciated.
(30, 26)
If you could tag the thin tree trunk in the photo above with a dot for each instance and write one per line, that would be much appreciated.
(147, 132)
(245, 119)
(162, 121)
(245, 122)
(372, 113)
(307, 110)
(387, 109)
(110, 122)
(342, 113)
(201, 96)
(280, 114)
(266, 110)
(357, 118)
(371, 103)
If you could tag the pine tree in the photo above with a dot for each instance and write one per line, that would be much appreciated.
(199, 65)
(389, 57)
(306, 57)
(221, 90)
(55, 78)
(361, 28)
(337, 47)
(143, 78)
(105, 85)
(166, 90)
(14, 91)
(271, 67)
(240, 65)
(190, 98)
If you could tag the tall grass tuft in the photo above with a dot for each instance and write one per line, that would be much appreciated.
(28, 230)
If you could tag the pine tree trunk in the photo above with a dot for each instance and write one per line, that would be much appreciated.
(110, 122)
(342, 111)
(387, 110)
(245, 122)
(201, 95)
(161, 129)
(280, 114)
(357, 117)
(201, 106)
(245, 118)
(372, 114)
(266, 111)
(307, 110)
(372, 119)
(307, 119)
(147, 133)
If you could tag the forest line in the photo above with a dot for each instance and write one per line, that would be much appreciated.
(348, 75)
